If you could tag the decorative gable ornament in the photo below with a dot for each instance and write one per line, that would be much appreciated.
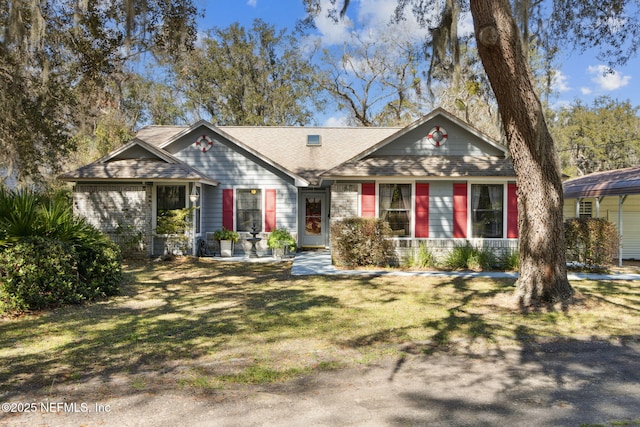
(204, 143)
(437, 136)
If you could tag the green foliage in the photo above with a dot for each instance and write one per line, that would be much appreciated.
(129, 239)
(37, 273)
(592, 243)
(510, 260)
(466, 256)
(63, 65)
(174, 221)
(279, 238)
(253, 76)
(600, 137)
(362, 242)
(224, 234)
(175, 224)
(48, 257)
(421, 258)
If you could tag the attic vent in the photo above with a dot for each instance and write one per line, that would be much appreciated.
(313, 140)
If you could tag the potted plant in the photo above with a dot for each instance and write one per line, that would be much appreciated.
(281, 242)
(227, 238)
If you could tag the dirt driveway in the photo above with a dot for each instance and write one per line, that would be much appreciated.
(567, 383)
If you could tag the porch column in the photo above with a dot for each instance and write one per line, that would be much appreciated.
(621, 200)
(598, 200)
(578, 200)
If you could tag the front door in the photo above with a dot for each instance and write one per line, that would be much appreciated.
(313, 219)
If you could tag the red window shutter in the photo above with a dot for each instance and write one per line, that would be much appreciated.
(368, 201)
(227, 208)
(270, 210)
(512, 211)
(422, 210)
(460, 210)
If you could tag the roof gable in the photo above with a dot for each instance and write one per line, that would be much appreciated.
(462, 140)
(288, 146)
(137, 160)
(187, 137)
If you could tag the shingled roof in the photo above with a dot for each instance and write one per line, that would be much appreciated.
(160, 165)
(618, 182)
(427, 166)
(287, 145)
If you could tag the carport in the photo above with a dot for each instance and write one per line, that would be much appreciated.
(608, 189)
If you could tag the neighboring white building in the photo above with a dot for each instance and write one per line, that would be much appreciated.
(613, 195)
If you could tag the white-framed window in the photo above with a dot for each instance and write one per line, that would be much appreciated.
(170, 197)
(586, 209)
(394, 206)
(248, 209)
(487, 210)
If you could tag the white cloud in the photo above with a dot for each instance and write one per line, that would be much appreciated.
(370, 19)
(332, 32)
(376, 13)
(252, 3)
(606, 78)
(465, 25)
(560, 82)
(586, 90)
(375, 16)
(336, 121)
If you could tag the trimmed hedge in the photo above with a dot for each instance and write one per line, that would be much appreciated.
(362, 242)
(591, 242)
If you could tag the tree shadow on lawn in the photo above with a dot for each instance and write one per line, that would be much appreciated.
(179, 313)
(545, 382)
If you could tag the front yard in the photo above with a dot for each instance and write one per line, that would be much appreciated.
(204, 325)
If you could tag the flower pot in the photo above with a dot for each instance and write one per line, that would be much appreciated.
(226, 248)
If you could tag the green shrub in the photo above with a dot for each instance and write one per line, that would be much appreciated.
(175, 224)
(48, 257)
(37, 273)
(591, 242)
(422, 257)
(466, 256)
(99, 270)
(361, 242)
(279, 238)
(510, 260)
(130, 240)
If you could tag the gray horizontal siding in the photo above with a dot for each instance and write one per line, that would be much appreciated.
(441, 209)
(234, 169)
(459, 143)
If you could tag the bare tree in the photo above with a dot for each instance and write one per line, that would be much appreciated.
(375, 78)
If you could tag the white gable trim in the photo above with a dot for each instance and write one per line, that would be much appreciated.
(161, 154)
(435, 113)
(298, 180)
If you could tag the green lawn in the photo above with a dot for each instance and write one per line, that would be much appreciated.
(205, 324)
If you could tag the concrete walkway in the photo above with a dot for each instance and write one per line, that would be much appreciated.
(309, 263)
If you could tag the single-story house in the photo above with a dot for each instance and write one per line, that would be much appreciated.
(613, 195)
(437, 180)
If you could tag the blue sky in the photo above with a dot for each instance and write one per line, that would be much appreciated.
(581, 75)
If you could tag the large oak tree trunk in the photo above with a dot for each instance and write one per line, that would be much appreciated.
(543, 270)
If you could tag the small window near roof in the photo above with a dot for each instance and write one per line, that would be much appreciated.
(313, 140)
